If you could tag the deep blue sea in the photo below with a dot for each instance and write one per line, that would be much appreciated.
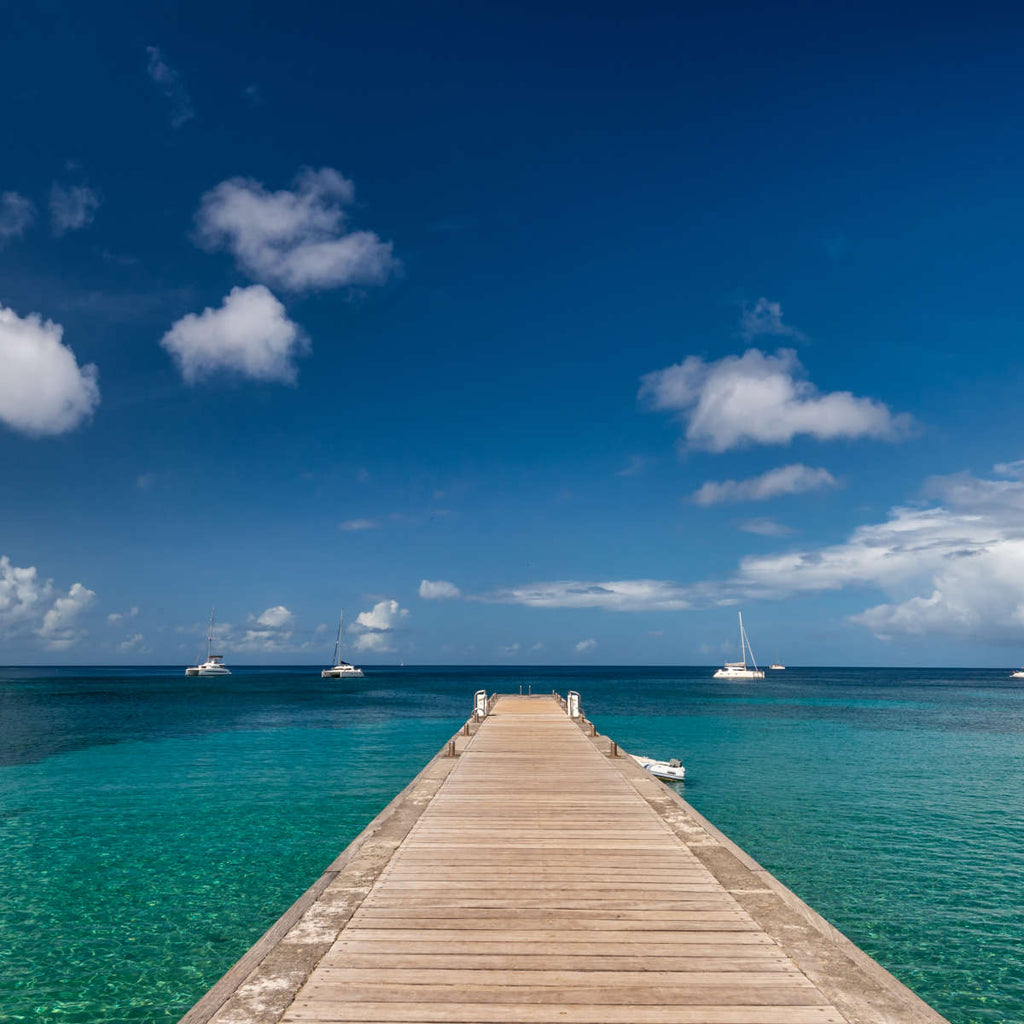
(153, 826)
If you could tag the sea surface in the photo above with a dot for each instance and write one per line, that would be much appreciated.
(152, 826)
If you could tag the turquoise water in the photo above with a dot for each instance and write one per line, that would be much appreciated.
(152, 827)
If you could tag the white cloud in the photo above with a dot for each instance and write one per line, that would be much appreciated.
(168, 81)
(612, 595)
(249, 335)
(765, 527)
(765, 317)
(275, 618)
(297, 239)
(72, 208)
(115, 617)
(373, 643)
(438, 590)
(794, 479)
(16, 216)
(1013, 469)
(585, 646)
(762, 399)
(60, 623)
(22, 595)
(43, 390)
(267, 632)
(136, 642)
(509, 650)
(636, 466)
(383, 617)
(355, 525)
(954, 568)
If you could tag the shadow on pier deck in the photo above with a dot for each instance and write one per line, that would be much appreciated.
(535, 877)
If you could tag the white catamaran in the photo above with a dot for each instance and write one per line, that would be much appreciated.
(214, 664)
(341, 669)
(738, 669)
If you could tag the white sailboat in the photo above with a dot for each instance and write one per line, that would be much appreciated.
(214, 664)
(738, 669)
(341, 669)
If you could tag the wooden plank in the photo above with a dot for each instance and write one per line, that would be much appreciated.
(555, 1013)
(731, 993)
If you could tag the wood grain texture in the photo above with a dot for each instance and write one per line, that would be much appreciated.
(539, 885)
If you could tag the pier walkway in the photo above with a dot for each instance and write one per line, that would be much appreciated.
(536, 877)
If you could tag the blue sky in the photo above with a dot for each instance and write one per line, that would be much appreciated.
(604, 322)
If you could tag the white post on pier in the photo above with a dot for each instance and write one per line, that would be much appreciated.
(572, 704)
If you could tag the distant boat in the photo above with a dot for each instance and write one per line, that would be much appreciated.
(1019, 674)
(341, 669)
(776, 667)
(670, 771)
(738, 669)
(214, 664)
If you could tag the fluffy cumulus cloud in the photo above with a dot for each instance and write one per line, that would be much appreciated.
(268, 632)
(43, 390)
(168, 81)
(375, 629)
(759, 398)
(373, 643)
(72, 208)
(765, 317)
(275, 618)
(249, 335)
(16, 216)
(794, 479)
(60, 626)
(296, 238)
(383, 617)
(438, 590)
(586, 646)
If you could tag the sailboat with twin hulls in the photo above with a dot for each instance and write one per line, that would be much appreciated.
(341, 669)
(738, 669)
(214, 664)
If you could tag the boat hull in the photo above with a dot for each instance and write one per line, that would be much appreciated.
(335, 673)
(661, 769)
(743, 673)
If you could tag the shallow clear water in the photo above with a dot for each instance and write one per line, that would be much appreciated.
(152, 827)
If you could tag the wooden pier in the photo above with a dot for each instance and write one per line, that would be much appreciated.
(529, 874)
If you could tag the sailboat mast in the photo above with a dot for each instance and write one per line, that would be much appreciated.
(209, 637)
(337, 643)
(743, 642)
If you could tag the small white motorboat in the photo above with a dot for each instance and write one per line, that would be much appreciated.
(341, 669)
(214, 664)
(671, 770)
(1019, 674)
